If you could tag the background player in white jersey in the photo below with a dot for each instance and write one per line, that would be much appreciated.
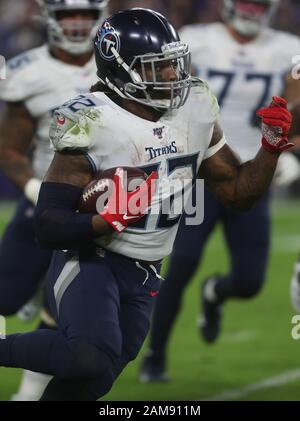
(102, 296)
(244, 62)
(38, 81)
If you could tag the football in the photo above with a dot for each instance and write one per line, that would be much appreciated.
(100, 184)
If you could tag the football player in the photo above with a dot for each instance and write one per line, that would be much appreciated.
(104, 274)
(38, 81)
(244, 61)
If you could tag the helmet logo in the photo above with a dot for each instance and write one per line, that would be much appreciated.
(107, 39)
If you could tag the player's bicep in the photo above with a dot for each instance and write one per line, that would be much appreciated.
(70, 167)
(16, 129)
(216, 144)
(220, 173)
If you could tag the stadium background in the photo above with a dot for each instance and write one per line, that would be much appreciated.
(256, 357)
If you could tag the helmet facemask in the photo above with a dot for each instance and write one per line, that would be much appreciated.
(249, 17)
(146, 85)
(75, 37)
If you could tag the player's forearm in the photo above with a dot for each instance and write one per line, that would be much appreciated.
(17, 128)
(254, 178)
(58, 225)
(101, 227)
(16, 167)
(60, 229)
(295, 128)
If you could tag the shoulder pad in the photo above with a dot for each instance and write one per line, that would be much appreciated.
(72, 122)
(22, 78)
(21, 61)
(78, 106)
(196, 81)
(201, 87)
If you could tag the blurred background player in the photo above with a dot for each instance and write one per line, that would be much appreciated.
(243, 61)
(38, 81)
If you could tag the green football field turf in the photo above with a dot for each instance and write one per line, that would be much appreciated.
(255, 358)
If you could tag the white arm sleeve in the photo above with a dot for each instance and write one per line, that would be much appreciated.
(214, 149)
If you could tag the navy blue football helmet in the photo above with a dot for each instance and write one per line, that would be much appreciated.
(132, 42)
(81, 32)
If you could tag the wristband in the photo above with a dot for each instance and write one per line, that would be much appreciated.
(32, 189)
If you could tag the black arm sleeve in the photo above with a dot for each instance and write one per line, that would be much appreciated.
(58, 225)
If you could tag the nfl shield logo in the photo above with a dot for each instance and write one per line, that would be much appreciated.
(158, 132)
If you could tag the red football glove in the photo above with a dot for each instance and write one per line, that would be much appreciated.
(276, 123)
(124, 208)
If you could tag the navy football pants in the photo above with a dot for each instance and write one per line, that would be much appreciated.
(247, 237)
(102, 307)
(23, 265)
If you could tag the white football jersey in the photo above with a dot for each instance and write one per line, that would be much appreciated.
(243, 77)
(43, 83)
(174, 146)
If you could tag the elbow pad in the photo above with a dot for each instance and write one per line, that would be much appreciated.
(58, 225)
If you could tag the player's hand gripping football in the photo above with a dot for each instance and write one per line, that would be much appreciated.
(123, 207)
(276, 123)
